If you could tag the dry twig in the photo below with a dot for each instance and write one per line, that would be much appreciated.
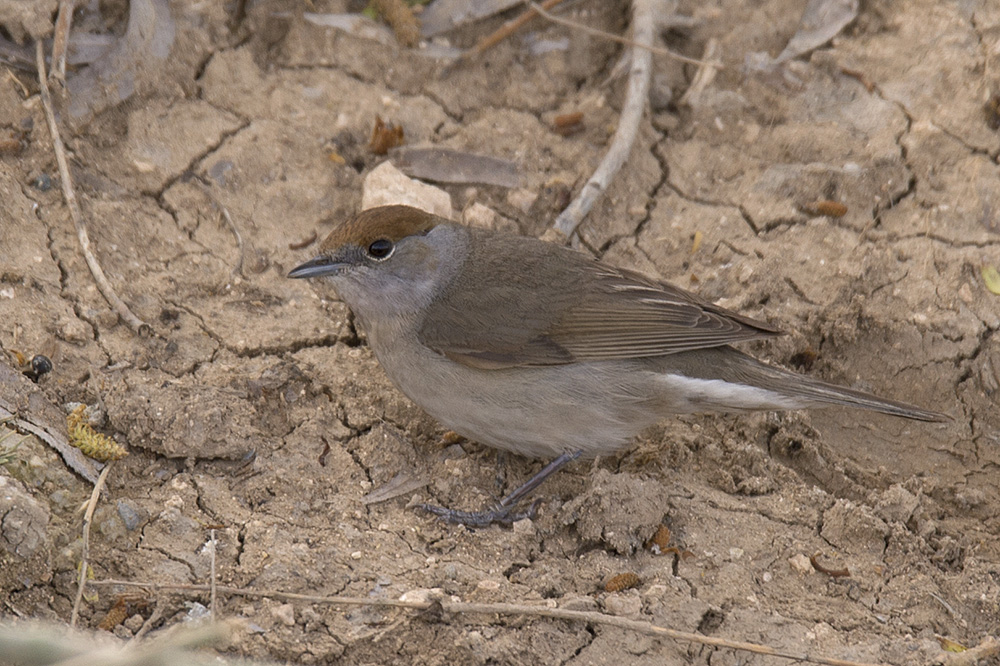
(122, 310)
(643, 20)
(459, 607)
(507, 29)
(704, 76)
(88, 517)
(60, 40)
(153, 618)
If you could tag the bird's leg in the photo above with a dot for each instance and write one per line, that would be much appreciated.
(503, 511)
(501, 474)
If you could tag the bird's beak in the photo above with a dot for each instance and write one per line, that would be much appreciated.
(317, 267)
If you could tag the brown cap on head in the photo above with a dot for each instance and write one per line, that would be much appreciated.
(389, 222)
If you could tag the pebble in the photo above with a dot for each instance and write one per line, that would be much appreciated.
(386, 184)
(134, 623)
(285, 614)
(800, 563)
(623, 605)
(130, 514)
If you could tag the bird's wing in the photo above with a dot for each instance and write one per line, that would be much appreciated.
(609, 313)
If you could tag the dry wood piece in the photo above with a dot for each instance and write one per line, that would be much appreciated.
(117, 304)
(507, 29)
(705, 75)
(60, 40)
(24, 408)
(447, 605)
(628, 123)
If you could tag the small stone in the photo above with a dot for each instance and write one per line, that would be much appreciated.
(800, 564)
(854, 528)
(623, 605)
(43, 183)
(74, 330)
(134, 623)
(130, 514)
(478, 215)
(522, 199)
(285, 614)
(386, 185)
(422, 595)
(897, 504)
(524, 526)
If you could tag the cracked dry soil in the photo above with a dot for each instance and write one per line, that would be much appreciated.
(887, 120)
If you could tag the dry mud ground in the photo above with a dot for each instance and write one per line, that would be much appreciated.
(889, 120)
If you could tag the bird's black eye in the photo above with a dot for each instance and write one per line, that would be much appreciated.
(380, 249)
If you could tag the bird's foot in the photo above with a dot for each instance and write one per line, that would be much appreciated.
(503, 512)
(504, 515)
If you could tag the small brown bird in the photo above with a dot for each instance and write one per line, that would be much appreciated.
(538, 349)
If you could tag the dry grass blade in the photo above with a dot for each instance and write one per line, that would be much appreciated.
(88, 517)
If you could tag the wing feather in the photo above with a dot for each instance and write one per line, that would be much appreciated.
(612, 314)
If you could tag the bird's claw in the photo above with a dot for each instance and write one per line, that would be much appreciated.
(500, 513)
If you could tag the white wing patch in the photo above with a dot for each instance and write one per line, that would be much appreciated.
(692, 395)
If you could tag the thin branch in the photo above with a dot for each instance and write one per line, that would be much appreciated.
(643, 20)
(88, 517)
(150, 621)
(508, 29)
(619, 39)
(459, 607)
(705, 75)
(60, 40)
(122, 310)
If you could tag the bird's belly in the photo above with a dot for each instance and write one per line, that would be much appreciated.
(533, 411)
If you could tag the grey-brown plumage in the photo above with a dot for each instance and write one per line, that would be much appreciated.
(542, 350)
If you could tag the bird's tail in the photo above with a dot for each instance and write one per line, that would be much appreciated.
(751, 384)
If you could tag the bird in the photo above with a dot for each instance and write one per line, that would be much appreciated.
(539, 349)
